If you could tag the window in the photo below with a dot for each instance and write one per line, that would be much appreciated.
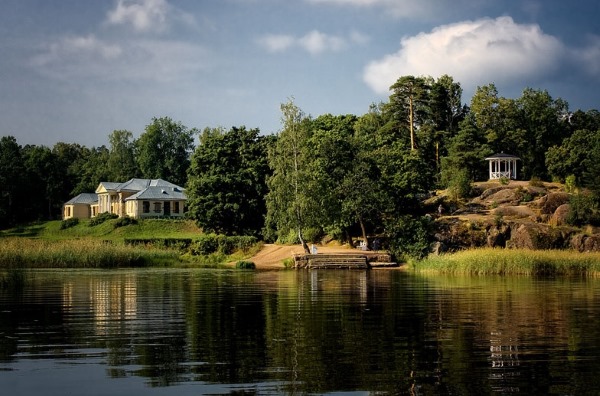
(157, 207)
(176, 208)
(146, 206)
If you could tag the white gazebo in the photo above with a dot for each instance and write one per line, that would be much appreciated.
(503, 165)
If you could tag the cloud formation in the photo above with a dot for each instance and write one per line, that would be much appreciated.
(423, 9)
(143, 15)
(314, 42)
(473, 52)
(89, 57)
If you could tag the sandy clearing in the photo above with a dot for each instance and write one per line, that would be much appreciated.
(271, 256)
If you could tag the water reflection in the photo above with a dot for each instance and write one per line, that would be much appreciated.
(220, 332)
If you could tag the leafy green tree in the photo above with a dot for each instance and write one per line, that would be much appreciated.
(572, 156)
(466, 151)
(446, 112)
(163, 150)
(543, 119)
(121, 161)
(62, 179)
(95, 170)
(11, 174)
(227, 178)
(409, 102)
(41, 172)
(291, 201)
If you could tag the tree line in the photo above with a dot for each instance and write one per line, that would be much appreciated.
(342, 175)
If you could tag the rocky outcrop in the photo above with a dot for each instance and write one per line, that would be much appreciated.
(510, 216)
(585, 243)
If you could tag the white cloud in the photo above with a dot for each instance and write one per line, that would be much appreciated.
(148, 15)
(143, 15)
(314, 42)
(473, 52)
(276, 42)
(589, 57)
(89, 58)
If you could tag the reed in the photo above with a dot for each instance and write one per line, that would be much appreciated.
(81, 253)
(488, 261)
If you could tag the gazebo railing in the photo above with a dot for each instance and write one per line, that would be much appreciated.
(498, 175)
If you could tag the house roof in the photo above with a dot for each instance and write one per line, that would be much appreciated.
(141, 184)
(134, 185)
(83, 198)
(502, 156)
(162, 193)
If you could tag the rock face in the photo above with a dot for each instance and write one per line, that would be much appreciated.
(513, 216)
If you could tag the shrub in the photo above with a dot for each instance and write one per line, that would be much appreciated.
(125, 221)
(72, 222)
(245, 265)
(408, 236)
(212, 243)
(583, 209)
(313, 234)
(459, 185)
(101, 218)
(504, 181)
(536, 182)
(570, 184)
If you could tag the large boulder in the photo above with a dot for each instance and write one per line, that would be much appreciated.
(585, 243)
(560, 215)
(536, 236)
(550, 202)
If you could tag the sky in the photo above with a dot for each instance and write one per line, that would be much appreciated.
(75, 70)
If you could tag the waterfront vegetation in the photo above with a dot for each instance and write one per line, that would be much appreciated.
(107, 245)
(488, 261)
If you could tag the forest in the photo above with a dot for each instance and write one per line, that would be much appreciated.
(338, 175)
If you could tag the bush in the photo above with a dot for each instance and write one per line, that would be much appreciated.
(212, 243)
(408, 236)
(72, 222)
(570, 184)
(583, 209)
(536, 182)
(459, 185)
(245, 265)
(125, 221)
(101, 218)
(504, 180)
(313, 235)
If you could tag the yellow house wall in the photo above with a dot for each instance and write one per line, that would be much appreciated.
(80, 211)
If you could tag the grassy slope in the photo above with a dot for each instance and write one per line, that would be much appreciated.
(152, 228)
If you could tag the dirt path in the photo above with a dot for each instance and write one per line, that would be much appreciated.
(271, 256)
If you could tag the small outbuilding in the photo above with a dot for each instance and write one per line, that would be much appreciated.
(83, 206)
(503, 165)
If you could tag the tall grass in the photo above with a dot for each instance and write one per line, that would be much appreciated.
(82, 253)
(489, 261)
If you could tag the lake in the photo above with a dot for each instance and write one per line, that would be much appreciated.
(231, 332)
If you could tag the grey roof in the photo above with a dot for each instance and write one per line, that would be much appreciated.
(141, 184)
(502, 156)
(83, 198)
(138, 185)
(160, 193)
(109, 185)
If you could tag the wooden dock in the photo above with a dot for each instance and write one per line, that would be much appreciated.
(343, 261)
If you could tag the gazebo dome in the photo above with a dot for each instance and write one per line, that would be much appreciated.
(503, 165)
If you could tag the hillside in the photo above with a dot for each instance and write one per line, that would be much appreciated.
(109, 230)
(520, 214)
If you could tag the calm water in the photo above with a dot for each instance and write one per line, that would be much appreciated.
(195, 332)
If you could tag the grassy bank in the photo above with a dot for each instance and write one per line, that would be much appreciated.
(88, 253)
(152, 242)
(512, 262)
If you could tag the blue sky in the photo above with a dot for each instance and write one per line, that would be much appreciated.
(75, 70)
